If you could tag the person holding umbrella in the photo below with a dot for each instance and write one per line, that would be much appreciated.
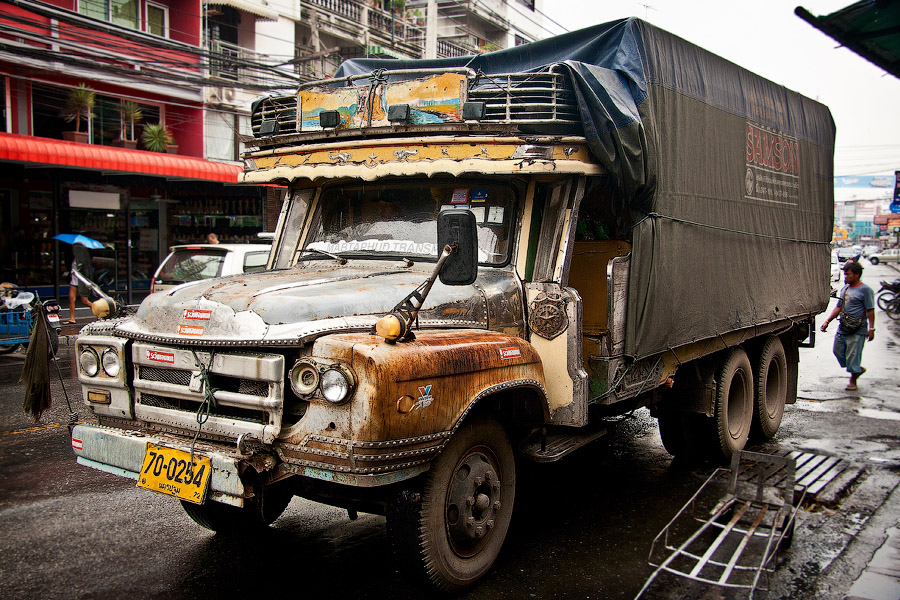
(81, 262)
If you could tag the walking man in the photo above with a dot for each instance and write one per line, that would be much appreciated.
(856, 305)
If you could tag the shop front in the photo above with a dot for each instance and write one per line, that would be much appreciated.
(136, 204)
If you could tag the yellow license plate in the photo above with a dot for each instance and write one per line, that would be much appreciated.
(166, 470)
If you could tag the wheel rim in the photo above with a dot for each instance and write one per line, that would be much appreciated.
(473, 502)
(738, 404)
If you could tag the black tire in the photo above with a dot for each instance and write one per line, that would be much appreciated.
(672, 433)
(9, 348)
(734, 402)
(452, 534)
(682, 433)
(54, 341)
(770, 389)
(874, 260)
(257, 513)
(893, 309)
(885, 299)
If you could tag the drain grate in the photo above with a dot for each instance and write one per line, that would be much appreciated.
(812, 472)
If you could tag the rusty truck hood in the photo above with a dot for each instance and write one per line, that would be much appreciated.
(299, 304)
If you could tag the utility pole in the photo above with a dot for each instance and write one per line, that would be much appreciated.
(431, 29)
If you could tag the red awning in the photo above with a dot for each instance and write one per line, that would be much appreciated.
(45, 151)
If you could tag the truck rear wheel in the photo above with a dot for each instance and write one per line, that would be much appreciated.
(257, 513)
(770, 389)
(734, 402)
(453, 534)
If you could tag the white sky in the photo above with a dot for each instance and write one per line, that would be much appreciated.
(766, 37)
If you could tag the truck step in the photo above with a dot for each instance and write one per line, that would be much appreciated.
(549, 445)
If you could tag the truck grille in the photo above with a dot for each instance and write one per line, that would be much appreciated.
(248, 389)
(179, 404)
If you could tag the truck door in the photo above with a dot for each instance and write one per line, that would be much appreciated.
(554, 311)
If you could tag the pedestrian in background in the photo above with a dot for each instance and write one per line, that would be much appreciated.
(855, 307)
(212, 238)
(81, 262)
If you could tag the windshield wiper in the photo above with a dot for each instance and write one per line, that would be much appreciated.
(340, 259)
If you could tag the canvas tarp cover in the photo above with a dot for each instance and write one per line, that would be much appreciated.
(729, 177)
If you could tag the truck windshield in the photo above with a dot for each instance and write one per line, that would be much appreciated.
(398, 219)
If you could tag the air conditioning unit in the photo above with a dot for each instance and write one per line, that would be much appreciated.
(224, 95)
(213, 96)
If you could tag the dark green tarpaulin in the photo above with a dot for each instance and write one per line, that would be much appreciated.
(728, 175)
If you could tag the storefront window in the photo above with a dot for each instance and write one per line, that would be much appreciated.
(233, 220)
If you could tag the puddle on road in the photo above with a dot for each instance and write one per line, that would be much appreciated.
(872, 413)
(830, 446)
(862, 450)
(826, 406)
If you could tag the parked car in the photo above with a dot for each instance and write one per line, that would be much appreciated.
(870, 250)
(836, 266)
(845, 254)
(204, 261)
(890, 255)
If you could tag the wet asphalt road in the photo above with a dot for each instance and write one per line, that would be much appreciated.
(582, 528)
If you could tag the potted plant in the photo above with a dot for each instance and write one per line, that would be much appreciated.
(157, 138)
(79, 105)
(129, 115)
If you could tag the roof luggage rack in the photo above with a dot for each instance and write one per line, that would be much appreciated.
(541, 102)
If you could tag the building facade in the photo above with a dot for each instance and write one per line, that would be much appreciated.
(124, 120)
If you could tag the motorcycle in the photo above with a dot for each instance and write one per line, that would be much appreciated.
(889, 291)
(19, 310)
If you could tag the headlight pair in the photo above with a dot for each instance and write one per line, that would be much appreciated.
(91, 362)
(334, 382)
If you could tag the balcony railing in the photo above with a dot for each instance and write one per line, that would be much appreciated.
(354, 19)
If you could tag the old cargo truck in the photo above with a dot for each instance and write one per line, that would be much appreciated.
(479, 261)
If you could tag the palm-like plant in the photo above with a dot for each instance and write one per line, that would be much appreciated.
(79, 105)
(131, 113)
(156, 137)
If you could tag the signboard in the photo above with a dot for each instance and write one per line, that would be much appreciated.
(895, 205)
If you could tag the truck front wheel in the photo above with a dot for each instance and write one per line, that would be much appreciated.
(453, 534)
(734, 402)
(257, 513)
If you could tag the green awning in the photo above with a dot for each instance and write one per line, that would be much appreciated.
(870, 28)
(380, 52)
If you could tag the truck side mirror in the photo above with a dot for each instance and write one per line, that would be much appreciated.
(456, 228)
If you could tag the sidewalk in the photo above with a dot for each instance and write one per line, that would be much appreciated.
(880, 578)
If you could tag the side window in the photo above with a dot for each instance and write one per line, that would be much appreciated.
(554, 206)
(290, 226)
(255, 261)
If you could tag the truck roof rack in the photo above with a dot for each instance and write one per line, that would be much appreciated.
(541, 102)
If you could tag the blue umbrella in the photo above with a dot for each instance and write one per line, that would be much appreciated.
(77, 238)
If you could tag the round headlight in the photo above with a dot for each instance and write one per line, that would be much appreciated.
(89, 361)
(336, 385)
(110, 362)
(304, 378)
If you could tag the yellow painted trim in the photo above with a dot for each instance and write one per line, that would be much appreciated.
(555, 360)
(427, 168)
